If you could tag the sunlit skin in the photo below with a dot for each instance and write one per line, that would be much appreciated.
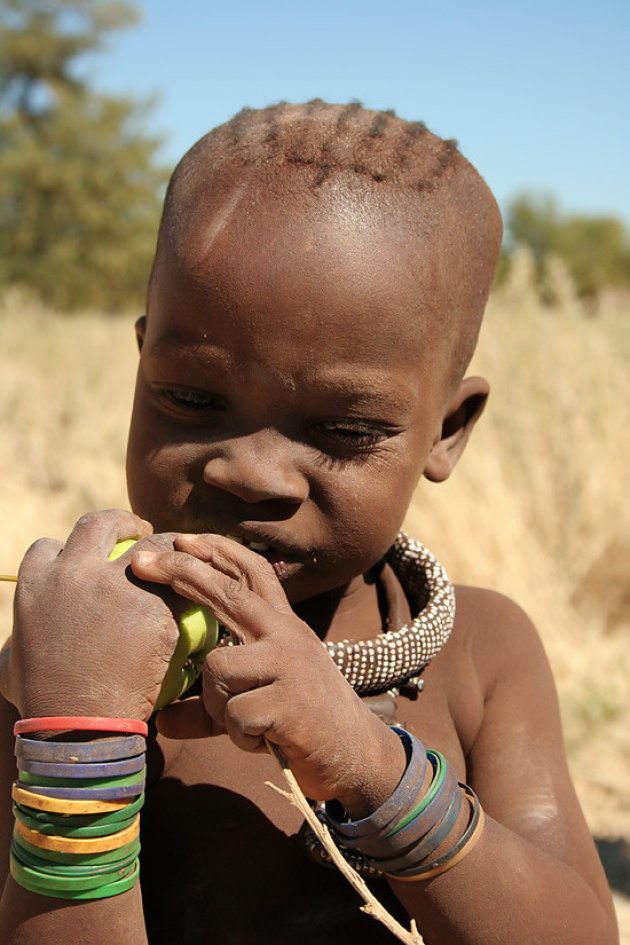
(295, 383)
(267, 405)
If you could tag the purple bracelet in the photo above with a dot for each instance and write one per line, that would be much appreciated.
(414, 855)
(115, 793)
(111, 748)
(95, 769)
(352, 833)
(396, 841)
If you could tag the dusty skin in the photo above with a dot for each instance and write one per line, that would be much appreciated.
(294, 385)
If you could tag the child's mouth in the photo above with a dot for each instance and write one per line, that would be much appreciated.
(283, 562)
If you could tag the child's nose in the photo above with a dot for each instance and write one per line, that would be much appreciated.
(257, 468)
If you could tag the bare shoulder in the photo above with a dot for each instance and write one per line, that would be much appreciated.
(499, 636)
(503, 652)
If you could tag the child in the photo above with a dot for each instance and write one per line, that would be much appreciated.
(319, 281)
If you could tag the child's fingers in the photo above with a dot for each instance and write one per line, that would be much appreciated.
(238, 562)
(187, 719)
(230, 599)
(98, 532)
(248, 717)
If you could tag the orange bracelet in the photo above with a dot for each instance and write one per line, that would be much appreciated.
(80, 723)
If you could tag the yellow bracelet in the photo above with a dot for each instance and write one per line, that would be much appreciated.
(73, 845)
(58, 805)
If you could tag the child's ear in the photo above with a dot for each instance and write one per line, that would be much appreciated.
(141, 330)
(460, 417)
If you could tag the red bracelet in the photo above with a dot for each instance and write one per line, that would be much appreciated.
(80, 723)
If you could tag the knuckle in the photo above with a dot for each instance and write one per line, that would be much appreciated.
(216, 668)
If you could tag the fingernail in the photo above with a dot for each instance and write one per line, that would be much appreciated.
(144, 558)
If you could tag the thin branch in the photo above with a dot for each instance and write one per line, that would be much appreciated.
(372, 906)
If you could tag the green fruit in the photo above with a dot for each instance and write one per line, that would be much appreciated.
(198, 634)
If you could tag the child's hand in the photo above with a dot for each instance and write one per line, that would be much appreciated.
(280, 685)
(88, 640)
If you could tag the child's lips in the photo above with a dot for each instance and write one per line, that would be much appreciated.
(285, 562)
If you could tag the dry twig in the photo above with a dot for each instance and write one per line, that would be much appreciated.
(372, 906)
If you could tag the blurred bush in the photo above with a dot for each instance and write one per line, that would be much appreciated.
(80, 188)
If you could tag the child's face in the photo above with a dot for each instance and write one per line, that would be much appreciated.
(288, 393)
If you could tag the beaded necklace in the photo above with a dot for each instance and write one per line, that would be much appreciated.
(394, 657)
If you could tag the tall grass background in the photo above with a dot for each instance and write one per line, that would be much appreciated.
(538, 507)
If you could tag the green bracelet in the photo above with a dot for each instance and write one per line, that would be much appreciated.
(78, 859)
(100, 892)
(69, 830)
(62, 869)
(439, 776)
(40, 780)
(47, 884)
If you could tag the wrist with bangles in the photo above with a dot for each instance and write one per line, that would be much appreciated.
(402, 838)
(76, 805)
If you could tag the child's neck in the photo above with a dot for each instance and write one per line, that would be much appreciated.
(351, 611)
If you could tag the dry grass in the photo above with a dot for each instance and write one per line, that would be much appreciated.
(537, 508)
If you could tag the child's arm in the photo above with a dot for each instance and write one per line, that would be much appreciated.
(87, 641)
(534, 877)
(29, 919)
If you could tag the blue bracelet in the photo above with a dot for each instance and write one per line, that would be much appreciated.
(95, 769)
(417, 853)
(393, 842)
(353, 832)
(111, 748)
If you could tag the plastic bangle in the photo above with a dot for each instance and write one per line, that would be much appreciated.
(117, 792)
(100, 892)
(95, 769)
(440, 767)
(111, 889)
(429, 812)
(77, 859)
(69, 869)
(420, 852)
(70, 830)
(68, 845)
(64, 806)
(353, 831)
(99, 749)
(34, 781)
(462, 848)
(83, 820)
(80, 723)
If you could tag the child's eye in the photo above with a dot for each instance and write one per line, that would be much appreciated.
(357, 435)
(190, 398)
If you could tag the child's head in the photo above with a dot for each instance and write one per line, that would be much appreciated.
(319, 281)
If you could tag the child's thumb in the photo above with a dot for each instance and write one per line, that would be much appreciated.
(186, 719)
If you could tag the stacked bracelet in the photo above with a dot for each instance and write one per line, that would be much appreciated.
(401, 839)
(76, 807)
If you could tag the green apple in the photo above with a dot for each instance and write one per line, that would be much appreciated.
(198, 634)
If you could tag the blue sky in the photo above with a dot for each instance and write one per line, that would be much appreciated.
(537, 93)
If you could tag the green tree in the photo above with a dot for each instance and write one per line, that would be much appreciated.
(79, 180)
(595, 250)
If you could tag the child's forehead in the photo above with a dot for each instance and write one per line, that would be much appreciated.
(339, 257)
(261, 231)
(373, 260)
